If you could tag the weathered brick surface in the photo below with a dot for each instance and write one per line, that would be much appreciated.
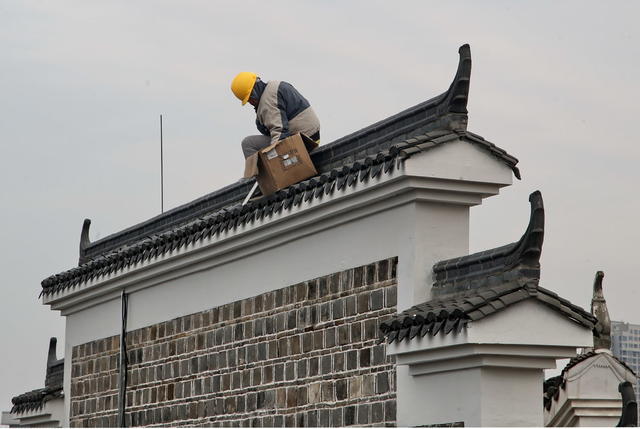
(303, 355)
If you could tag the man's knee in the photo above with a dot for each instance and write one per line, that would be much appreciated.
(252, 144)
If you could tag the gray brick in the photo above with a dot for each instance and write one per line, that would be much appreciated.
(363, 302)
(307, 342)
(330, 337)
(325, 364)
(371, 276)
(292, 317)
(312, 289)
(230, 405)
(241, 403)
(281, 322)
(215, 383)
(290, 371)
(325, 312)
(336, 417)
(352, 359)
(363, 414)
(382, 383)
(327, 391)
(378, 355)
(325, 418)
(267, 374)
(390, 410)
(269, 325)
(349, 416)
(338, 309)
(311, 419)
(252, 353)
(290, 421)
(256, 376)
(283, 347)
(279, 372)
(302, 396)
(252, 401)
(314, 365)
(323, 287)
(273, 349)
(350, 306)
(279, 298)
(294, 344)
(318, 343)
(246, 378)
(370, 330)
(236, 380)
(262, 351)
(315, 393)
(365, 357)
(391, 296)
(334, 283)
(302, 368)
(343, 334)
(292, 397)
(342, 391)
(259, 327)
(377, 412)
(377, 299)
(338, 362)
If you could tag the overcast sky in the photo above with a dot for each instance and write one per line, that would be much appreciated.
(82, 85)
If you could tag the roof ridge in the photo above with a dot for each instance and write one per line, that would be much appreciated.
(445, 111)
(522, 257)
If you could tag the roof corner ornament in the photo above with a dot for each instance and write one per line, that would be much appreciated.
(533, 237)
(459, 89)
(84, 242)
(602, 330)
(51, 356)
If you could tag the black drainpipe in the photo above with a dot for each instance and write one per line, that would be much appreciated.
(122, 391)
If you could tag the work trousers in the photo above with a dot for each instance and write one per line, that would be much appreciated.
(252, 144)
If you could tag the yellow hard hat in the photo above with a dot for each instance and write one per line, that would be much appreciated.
(242, 85)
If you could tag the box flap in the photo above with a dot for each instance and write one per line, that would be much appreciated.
(251, 166)
(308, 143)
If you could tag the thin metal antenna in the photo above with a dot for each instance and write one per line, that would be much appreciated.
(161, 171)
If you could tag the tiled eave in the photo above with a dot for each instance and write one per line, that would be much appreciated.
(229, 219)
(469, 288)
(452, 315)
(33, 400)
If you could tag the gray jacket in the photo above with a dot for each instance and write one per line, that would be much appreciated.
(283, 111)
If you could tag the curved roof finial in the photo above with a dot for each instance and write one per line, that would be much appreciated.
(459, 89)
(602, 339)
(84, 242)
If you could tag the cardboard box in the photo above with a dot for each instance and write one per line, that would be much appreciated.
(282, 164)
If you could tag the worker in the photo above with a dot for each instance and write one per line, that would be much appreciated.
(281, 111)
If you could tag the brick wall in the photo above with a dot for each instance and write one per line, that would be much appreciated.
(303, 355)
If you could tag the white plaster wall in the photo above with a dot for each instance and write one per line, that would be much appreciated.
(530, 322)
(420, 400)
(460, 160)
(492, 397)
(511, 397)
